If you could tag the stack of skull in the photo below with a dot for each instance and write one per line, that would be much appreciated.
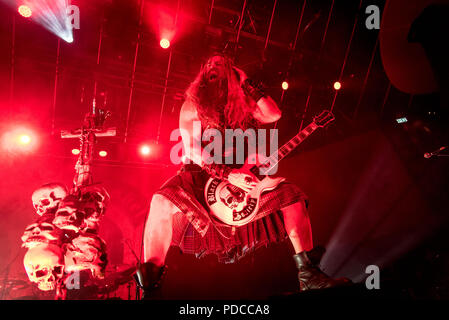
(64, 239)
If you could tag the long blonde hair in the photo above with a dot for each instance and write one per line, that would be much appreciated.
(237, 110)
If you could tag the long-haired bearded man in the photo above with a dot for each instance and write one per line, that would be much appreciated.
(222, 97)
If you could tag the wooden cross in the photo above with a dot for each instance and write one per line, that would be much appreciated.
(91, 129)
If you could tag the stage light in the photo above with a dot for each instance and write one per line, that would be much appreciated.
(67, 37)
(285, 85)
(25, 11)
(24, 139)
(103, 153)
(165, 43)
(19, 139)
(57, 16)
(401, 120)
(337, 85)
(145, 150)
(75, 151)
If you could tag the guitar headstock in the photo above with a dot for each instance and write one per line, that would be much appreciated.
(324, 118)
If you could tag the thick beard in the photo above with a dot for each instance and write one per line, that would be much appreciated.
(214, 94)
(212, 98)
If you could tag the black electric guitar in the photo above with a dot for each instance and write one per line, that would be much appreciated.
(236, 207)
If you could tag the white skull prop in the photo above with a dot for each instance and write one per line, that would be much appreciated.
(94, 202)
(98, 196)
(86, 252)
(69, 215)
(92, 217)
(46, 198)
(41, 233)
(44, 265)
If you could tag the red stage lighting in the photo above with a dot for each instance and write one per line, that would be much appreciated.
(25, 11)
(165, 43)
(19, 139)
(285, 85)
(145, 150)
(337, 85)
(103, 153)
(24, 139)
(75, 151)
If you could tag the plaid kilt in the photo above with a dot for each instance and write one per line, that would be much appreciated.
(195, 232)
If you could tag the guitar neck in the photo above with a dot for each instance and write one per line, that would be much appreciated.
(283, 151)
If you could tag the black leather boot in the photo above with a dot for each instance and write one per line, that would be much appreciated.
(149, 277)
(311, 277)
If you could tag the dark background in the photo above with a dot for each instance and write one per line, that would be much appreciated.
(374, 198)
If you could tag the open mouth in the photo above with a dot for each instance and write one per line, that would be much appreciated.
(213, 75)
(46, 237)
(37, 239)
